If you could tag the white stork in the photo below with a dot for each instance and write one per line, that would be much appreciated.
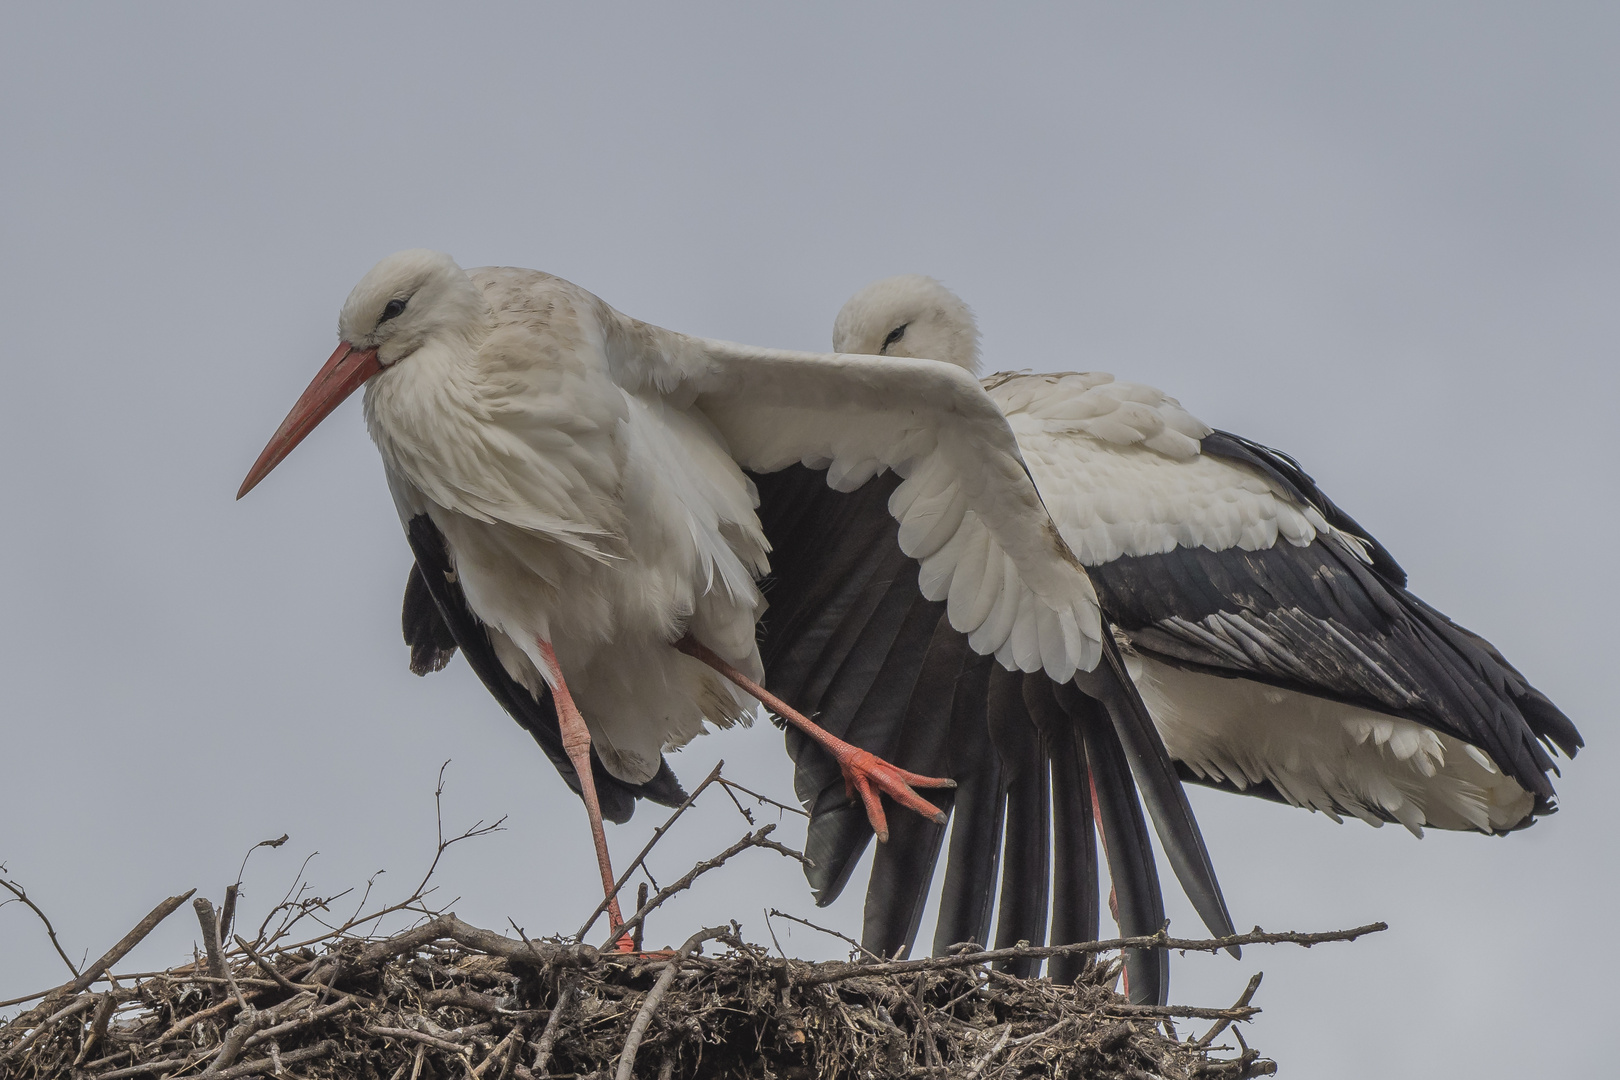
(1272, 638)
(573, 478)
(852, 636)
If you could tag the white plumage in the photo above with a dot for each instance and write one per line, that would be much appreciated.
(1122, 471)
(585, 472)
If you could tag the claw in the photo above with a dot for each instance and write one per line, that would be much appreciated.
(866, 774)
(862, 770)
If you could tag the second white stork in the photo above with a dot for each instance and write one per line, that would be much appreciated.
(1271, 636)
(582, 475)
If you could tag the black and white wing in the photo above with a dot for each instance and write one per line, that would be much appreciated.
(1273, 639)
(437, 621)
(849, 637)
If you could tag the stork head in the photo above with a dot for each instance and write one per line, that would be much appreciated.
(405, 302)
(909, 315)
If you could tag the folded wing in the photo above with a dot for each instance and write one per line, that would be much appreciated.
(1273, 636)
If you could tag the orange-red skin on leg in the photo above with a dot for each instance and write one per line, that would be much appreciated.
(576, 739)
(865, 774)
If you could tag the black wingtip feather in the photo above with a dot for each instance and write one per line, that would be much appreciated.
(1161, 788)
(975, 846)
(431, 642)
(1076, 910)
(1125, 841)
(1021, 914)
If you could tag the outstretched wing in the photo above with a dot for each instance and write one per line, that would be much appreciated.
(437, 621)
(967, 509)
(849, 637)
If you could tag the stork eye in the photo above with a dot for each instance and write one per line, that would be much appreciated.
(392, 309)
(894, 335)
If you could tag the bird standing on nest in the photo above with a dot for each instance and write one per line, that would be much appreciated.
(577, 477)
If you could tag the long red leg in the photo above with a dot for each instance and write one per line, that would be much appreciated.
(576, 739)
(865, 774)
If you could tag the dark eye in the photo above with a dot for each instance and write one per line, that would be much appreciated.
(894, 335)
(392, 309)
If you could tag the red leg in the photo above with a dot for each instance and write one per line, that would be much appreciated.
(1113, 893)
(1102, 839)
(576, 740)
(865, 774)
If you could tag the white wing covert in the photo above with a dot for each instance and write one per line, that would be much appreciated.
(1120, 467)
(968, 510)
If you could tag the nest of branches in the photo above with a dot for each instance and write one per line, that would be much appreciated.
(445, 999)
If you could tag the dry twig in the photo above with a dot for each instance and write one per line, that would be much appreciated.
(15, 889)
(638, 1027)
(758, 838)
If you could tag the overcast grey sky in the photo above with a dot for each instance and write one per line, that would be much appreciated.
(1383, 237)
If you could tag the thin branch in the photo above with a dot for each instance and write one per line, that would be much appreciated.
(419, 1036)
(266, 967)
(98, 1027)
(758, 838)
(632, 1042)
(21, 894)
(504, 1044)
(766, 799)
(414, 901)
(983, 1062)
(845, 938)
(835, 972)
(1236, 1012)
(108, 959)
(658, 834)
(1243, 999)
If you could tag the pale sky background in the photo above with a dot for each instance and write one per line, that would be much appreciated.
(1382, 237)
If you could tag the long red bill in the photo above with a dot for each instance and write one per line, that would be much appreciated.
(343, 374)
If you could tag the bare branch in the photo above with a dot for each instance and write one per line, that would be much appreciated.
(732, 785)
(658, 834)
(845, 938)
(210, 932)
(548, 1036)
(632, 1042)
(833, 972)
(108, 959)
(1243, 999)
(16, 889)
(758, 838)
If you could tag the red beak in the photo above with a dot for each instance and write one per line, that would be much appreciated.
(344, 373)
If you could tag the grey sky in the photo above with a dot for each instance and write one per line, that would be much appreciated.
(1384, 239)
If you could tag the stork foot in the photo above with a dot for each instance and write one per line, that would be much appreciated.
(866, 774)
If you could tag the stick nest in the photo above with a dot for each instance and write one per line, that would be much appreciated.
(450, 1000)
(444, 999)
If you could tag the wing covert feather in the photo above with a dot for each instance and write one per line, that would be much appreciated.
(965, 490)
